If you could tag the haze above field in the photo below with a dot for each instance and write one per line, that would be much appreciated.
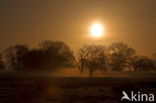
(31, 21)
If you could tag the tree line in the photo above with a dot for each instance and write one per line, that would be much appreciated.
(51, 55)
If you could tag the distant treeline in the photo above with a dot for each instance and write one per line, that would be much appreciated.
(51, 55)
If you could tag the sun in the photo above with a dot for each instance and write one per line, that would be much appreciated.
(96, 30)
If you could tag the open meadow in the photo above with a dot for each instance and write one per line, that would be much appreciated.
(33, 88)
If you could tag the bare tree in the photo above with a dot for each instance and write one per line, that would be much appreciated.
(81, 57)
(97, 58)
(101, 56)
(92, 57)
(120, 56)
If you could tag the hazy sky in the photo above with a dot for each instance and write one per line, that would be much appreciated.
(31, 21)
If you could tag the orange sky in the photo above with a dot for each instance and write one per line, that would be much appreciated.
(31, 21)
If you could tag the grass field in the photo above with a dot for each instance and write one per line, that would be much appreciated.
(33, 88)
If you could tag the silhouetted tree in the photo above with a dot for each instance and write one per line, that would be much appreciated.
(100, 55)
(154, 59)
(144, 64)
(14, 56)
(58, 53)
(81, 57)
(49, 56)
(2, 65)
(97, 58)
(34, 60)
(120, 56)
(154, 56)
(93, 57)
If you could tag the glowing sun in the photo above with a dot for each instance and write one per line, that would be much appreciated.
(96, 30)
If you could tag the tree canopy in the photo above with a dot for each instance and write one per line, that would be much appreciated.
(51, 55)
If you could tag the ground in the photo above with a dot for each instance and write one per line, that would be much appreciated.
(20, 88)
